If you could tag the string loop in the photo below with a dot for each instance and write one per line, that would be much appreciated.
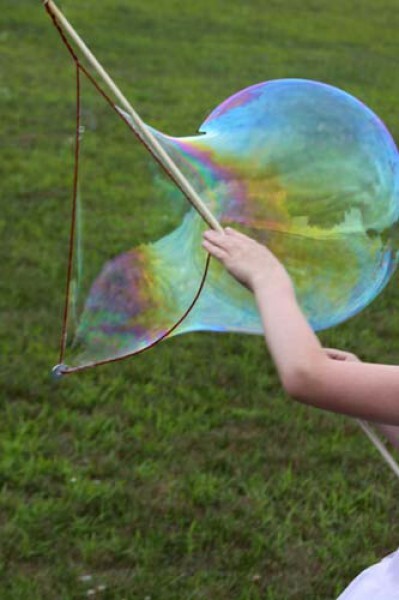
(61, 368)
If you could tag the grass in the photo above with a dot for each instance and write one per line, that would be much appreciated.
(184, 473)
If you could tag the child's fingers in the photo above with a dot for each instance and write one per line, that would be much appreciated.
(216, 238)
(336, 354)
(211, 234)
(237, 236)
(216, 251)
(234, 232)
(225, 240)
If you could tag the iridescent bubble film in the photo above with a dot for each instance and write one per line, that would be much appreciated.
(301, 166)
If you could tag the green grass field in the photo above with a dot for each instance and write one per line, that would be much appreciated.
(184, 473)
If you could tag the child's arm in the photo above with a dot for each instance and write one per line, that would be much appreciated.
(363, 390)
(391, 432)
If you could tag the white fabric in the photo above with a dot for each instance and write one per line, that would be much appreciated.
(379, 582)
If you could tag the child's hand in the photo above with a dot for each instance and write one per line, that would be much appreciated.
(248, 261)
(335, 354)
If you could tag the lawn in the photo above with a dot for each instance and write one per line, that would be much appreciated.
(184, 473)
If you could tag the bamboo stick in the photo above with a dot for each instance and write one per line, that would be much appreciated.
(138, 123)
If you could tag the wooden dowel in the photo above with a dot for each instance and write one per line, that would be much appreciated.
(138, 124)
(387, 456)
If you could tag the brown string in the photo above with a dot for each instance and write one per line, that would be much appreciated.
(166, 334)
(73, 219)
(62, 369)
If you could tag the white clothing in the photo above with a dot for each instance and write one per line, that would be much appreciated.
(378, 582)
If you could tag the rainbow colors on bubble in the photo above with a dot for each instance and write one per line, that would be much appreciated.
(299, 165)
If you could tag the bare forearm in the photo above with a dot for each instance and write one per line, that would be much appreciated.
(357, 389)
(294, 347)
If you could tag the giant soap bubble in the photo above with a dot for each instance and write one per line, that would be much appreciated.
(302, 167)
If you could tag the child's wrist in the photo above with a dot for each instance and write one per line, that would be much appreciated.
(267, 283)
